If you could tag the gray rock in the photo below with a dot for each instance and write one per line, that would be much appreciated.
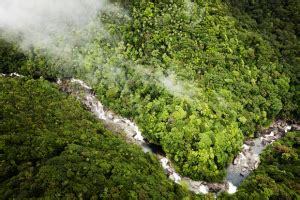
(249, 143)
(295, 127)
(271, 138)
(264, 142)
(243, 173)
(265, 132)
(281, 131)
(256, 164)
(216, 187)
(244, 169)
(235, 161)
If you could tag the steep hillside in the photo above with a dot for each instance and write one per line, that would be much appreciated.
(196, 76)
(53, 148)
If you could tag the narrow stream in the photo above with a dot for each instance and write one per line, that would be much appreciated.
(244, 163)
(248, 159)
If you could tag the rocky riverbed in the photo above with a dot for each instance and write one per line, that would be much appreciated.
(244, 163)
(248, 159)
(130, 130)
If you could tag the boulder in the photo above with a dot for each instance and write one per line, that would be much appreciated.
(280, 124)
(281, 131)
(295, 127)
(244, 173)
(248, 142)
(264, 132)
(264, 142)
(236, 161)
(256, 164)
(216, 187)
(244, 169)
(252, 143)
(271, 138)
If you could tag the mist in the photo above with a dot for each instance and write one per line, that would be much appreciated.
(51, 25)
(60, 26)
(44, 19)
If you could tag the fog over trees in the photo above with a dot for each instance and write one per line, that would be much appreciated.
(197, 77)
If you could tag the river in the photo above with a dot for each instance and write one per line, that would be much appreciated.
(244, 163)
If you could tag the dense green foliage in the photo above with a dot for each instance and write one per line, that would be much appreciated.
(50, 147)
(278, 23)
(195, 75)
(278, 176)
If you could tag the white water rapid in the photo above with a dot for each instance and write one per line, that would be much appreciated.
(245, 162)
(242, 166)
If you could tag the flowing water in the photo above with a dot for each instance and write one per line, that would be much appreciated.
(245, 162)
(248, 159)
(242, 166)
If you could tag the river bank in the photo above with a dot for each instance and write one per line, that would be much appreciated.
(243, 164)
